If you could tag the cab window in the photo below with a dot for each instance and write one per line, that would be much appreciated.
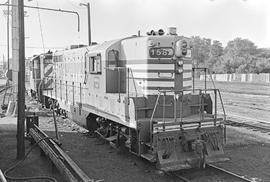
(95, 64)
(113, 57)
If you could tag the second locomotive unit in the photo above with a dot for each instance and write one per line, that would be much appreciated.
(139, 92)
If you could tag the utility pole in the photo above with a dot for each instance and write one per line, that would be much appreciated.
(8, 35)
(18, 64)
(89, 21)
(89, 24)
(21, 84)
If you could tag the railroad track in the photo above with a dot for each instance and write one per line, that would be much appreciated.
(3, 88)
(233, 120)
(252, 123)
(65, 165)
(182, 178)
(236, 176)
(210, 168)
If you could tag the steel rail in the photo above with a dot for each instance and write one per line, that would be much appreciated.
(228, 172)
(248, 122)
(211, 166)
(182, 178)
(2, 177)
(66, 166)
(248, 125)
(177, 176)
(235, 116)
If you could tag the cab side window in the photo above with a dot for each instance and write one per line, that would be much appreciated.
(95, 64)
(113, 57)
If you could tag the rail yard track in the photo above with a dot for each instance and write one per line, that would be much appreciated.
(66, 166)
(220, 174)
(247, 122)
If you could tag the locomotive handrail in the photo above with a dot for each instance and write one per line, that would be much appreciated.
(200, 90)
(151, 119)
(211, 78)
(136, 94)
(201, 114)
(134, 82)
(183, 90)
(220, 98)
(115, 68)
(210, 89)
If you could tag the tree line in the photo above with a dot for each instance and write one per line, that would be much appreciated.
(239, 56)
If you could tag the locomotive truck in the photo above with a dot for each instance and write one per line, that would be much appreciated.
(138, 92)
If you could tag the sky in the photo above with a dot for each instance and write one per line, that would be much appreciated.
(221, 20)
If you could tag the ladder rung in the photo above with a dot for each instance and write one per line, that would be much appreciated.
(161, 124)
(149, 157)
(111, 138)
(144, 108)
(195, 105)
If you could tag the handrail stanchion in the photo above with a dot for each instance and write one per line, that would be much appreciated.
(200, 103)
(134, 82)
(202, 106)
(136, 94)
(182, 108)
(151, 120)
(205, 79)
(119, 86)
(193, 80)
(182, 111)
(224, 118)
(174, 108)
(215, 119)
(128, 84)
(163, 110)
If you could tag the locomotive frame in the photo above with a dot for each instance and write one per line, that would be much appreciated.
(139, 92)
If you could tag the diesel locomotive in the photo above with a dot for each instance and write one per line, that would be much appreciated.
(138, 92)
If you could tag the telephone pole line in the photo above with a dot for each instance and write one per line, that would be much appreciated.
(21, 85)
(8, 35)
(89, 22)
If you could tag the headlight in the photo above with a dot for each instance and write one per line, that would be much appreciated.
(180, 63)
(181, 48)
(180, 70)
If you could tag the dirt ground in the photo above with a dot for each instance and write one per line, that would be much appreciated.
(34, 164)
(248, 151)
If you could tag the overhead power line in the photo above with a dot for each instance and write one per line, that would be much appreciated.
(40, 26)
(52, 9)
(36, 47)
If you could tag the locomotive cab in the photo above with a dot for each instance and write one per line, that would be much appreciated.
(175, 124)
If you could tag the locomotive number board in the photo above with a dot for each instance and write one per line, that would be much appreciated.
(161, 52)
